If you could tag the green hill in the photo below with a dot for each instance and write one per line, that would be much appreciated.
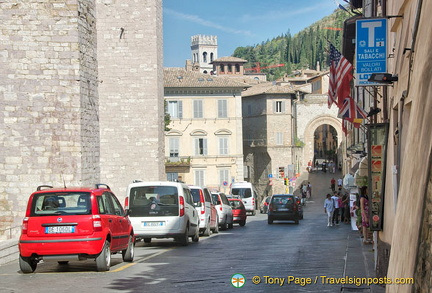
(300, 51)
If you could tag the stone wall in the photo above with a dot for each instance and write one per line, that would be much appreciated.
(130, 92)
(47, 99)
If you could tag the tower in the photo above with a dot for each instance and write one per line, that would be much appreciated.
(204, 51)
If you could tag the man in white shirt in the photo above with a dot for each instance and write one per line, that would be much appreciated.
(335, 219)
(328, 209)
(340, 181)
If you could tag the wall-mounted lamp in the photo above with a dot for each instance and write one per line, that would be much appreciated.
(386, 78)
(373, 111)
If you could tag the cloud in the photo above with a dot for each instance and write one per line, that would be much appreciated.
(284, 14)
(198, 20)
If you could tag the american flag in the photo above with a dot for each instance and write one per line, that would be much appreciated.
(351, 111)
(340, 77)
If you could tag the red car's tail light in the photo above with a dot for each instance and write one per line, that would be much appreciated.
(24, 225)
(181, 206)
(202, 202)
(97, 223)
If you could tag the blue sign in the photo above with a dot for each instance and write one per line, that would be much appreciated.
(270, 175)
(371, 49)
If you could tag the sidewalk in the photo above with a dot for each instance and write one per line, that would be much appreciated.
(359, 258)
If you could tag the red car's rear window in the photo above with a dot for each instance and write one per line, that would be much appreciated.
(61, 203)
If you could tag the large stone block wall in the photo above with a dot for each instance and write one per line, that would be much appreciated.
(47, 99)
(130, 91)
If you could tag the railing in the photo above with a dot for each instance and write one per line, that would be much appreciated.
(9, 232)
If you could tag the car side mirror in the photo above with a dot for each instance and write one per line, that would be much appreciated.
(127, 212)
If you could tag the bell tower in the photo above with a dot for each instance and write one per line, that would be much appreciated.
(204, 51)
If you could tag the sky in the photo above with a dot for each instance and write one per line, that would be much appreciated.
(236, 23)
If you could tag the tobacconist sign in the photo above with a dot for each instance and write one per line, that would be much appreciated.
(377, 146)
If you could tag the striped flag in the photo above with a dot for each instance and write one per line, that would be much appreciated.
(340, 78)
(351, 111)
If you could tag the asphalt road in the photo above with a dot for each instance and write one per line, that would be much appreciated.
(308, 252)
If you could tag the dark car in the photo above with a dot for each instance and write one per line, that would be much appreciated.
(283, 207)
(300, 207)
(64, 224)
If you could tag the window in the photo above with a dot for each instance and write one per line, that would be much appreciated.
(279, 107)
(222, 68)
(223, 176)
(223, 145)
(279, 138)
(201, 146)
(229, 68)
(174, 147)
(198, 108)
(172, 176)
(237, 68)
(222, 109)
(205, 57)
(199, 177)
(211, 57)
(175, 109)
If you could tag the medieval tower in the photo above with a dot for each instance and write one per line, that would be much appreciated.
(204, 51)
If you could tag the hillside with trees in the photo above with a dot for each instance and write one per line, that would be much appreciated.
(301, 51)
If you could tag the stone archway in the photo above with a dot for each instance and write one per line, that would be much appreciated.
(308, 135)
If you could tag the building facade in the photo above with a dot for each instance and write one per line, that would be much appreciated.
(204, 140)
(204, 52)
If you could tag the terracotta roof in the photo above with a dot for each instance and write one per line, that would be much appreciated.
(267, 88)
(177, 77)
(230, 59)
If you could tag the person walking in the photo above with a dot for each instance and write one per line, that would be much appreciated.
(304, 193)
(340, 182)
(328, 209)
(333, 184)
(309, 190)
(335, 219)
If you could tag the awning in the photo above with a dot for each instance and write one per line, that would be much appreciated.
(363, 167)
(354, 168)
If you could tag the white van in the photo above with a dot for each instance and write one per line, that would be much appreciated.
(162, 210)
(247, 192)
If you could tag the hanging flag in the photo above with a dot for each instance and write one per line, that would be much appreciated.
(344, 126)
(352, 112)
(339, 79)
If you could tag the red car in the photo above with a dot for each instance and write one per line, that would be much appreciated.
(238, 210)
(68, 224)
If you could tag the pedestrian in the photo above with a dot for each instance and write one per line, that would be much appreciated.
(328, 209)
(364, 207)
(340, 182)
(304, 193)
(335, 219)
(309, 190)
(344, 209)
(333, 184)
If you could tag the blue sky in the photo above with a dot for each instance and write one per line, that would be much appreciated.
(236, 23)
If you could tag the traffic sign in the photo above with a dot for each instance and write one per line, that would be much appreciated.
(225, 183)
(371, 49)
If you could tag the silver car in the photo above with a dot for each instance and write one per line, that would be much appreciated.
(223, 209)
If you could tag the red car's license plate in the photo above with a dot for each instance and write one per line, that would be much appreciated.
(59, 229)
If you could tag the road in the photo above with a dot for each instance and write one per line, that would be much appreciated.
(309, 250)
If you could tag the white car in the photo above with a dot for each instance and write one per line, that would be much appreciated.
(247, 192)
(223, 209)
(162, 210)
(206, 210)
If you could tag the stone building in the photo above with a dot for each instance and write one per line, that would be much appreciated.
(204, 143)
(204, 52)
(81, 96)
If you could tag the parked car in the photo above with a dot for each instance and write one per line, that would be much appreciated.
(247, 192)
(208, 215)
(264, 205)
(162, 210)
(238, 210)
(283, 207)
(64, 224)
(224, 210)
